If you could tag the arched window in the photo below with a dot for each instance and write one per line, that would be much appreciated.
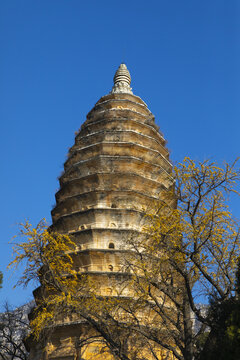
(111, 245)
(110, 267)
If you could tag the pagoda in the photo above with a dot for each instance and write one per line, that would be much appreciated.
(117, 168)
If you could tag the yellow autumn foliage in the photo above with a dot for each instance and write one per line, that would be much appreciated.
(189, 252)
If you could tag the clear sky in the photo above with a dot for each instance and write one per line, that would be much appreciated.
(58, 57)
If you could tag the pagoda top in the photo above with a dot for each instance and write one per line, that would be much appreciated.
(122, 81)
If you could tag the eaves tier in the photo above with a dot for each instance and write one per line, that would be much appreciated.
(116, 169)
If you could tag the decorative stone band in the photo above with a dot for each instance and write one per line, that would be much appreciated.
(122, 81)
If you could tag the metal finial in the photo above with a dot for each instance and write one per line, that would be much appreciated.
(122, 81)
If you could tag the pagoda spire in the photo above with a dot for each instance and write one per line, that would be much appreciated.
(122, 81)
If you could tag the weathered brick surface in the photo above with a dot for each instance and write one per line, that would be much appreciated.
(116, 169)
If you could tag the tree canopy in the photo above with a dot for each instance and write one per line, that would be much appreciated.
(14, 328)
(223, 341)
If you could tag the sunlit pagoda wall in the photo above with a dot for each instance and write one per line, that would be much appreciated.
(116, 169)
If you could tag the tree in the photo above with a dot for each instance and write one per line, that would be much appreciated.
(14, 327)
(49, 261)
(223, 342)
(189, 252)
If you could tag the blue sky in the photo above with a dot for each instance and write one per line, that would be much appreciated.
(58, 57)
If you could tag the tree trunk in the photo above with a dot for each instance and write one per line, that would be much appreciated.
(188, 331)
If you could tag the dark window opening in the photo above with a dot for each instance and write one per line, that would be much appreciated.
(110, 267)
